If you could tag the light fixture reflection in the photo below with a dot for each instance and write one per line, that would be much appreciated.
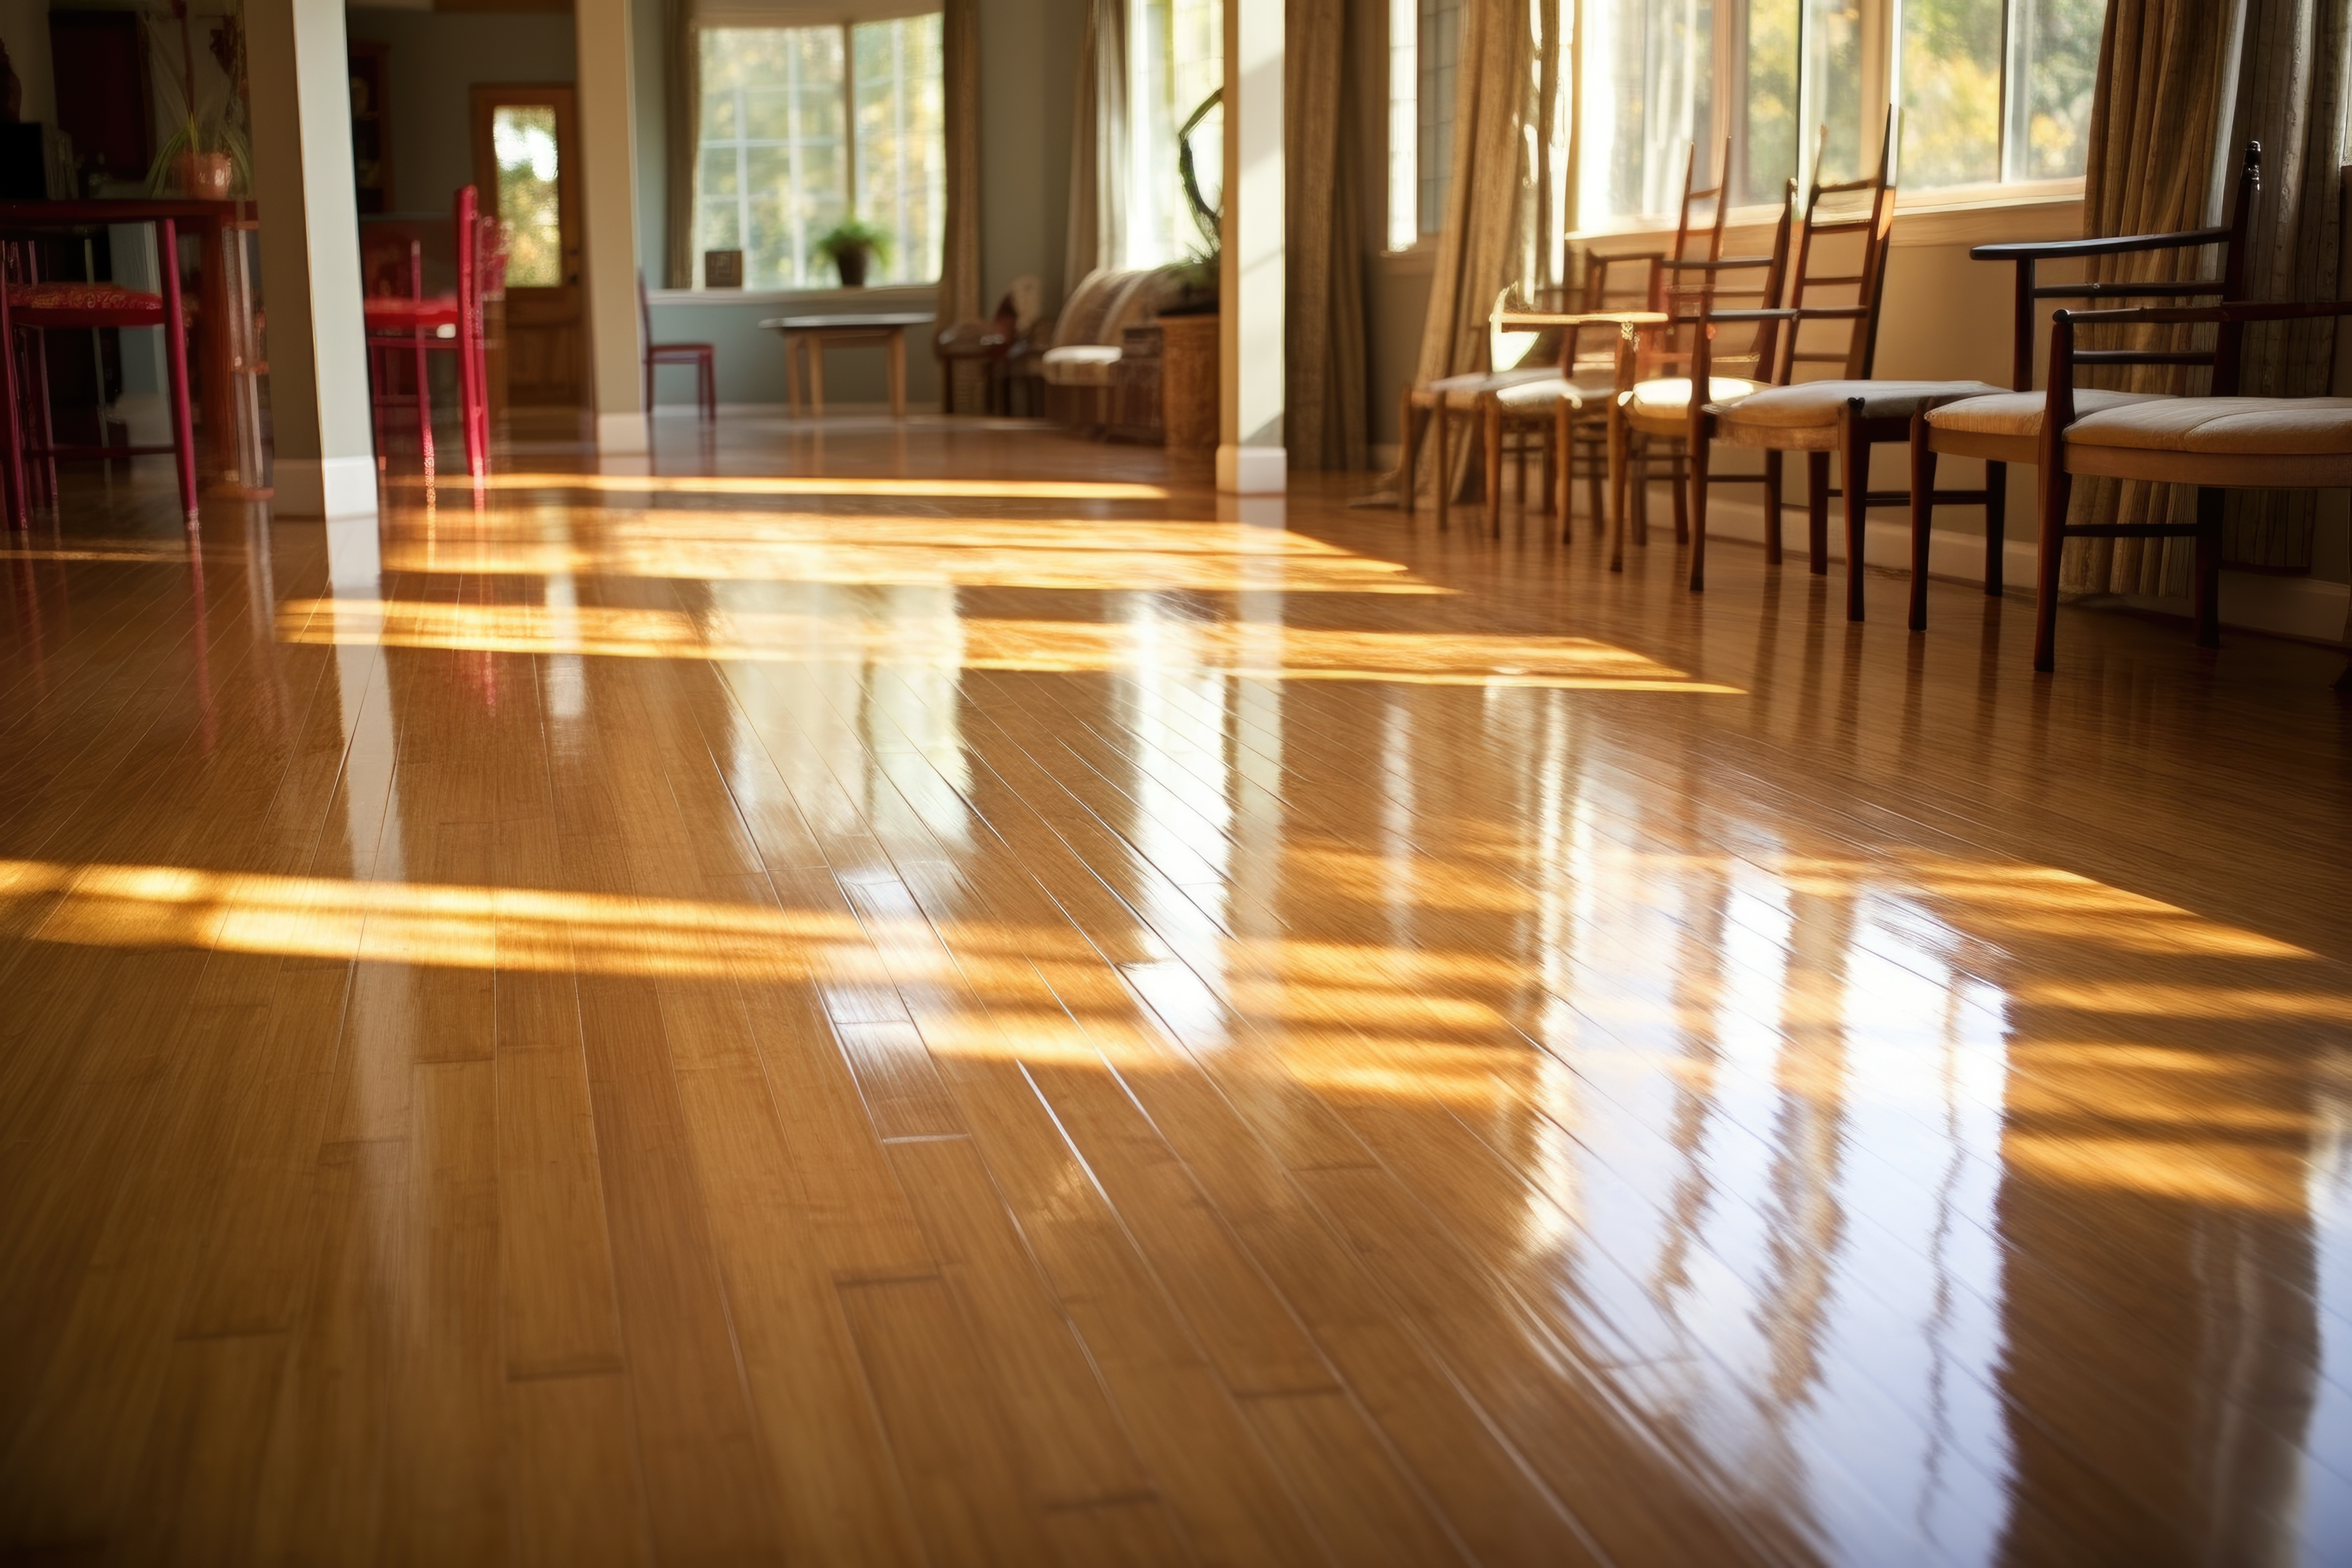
(1443, 658)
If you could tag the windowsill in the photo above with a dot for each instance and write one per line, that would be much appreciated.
(1969, 214)
(881, 293)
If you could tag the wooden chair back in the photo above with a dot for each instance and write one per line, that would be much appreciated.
(1822, 300)
(2224, 281)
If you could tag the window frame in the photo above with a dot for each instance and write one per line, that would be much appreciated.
(1881, 23)
(1425, 240)
(849, 158)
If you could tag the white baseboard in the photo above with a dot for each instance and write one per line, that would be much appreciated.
(324, 487)
(2285, 606)
(622, 432)
(1253, 470)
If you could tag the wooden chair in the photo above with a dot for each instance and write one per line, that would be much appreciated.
(1849, 413)
(1473, 395)
(1651, 407)
(446, 323)
(703, 357)
(2005, 427)
(2219, 442)
(30, 307)
(1563, 416)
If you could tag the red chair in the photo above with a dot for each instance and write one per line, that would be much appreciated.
(703, 357)
(28, 308)
(444, 324)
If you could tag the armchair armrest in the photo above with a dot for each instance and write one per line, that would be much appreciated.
(2115, 245)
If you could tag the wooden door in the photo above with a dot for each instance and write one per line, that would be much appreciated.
(525, 143)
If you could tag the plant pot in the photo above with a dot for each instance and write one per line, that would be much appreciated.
(203, 176)
(851, 263)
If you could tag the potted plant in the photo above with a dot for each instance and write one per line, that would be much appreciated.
(207, 154)
(849, 245)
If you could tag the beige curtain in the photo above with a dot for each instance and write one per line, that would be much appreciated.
(1097, 234)
(682, 120)
(2154, 124)
(960, 280)
(2291, 98)
(1480, 247)
(1323, 420)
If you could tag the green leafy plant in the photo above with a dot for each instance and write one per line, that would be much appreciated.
(853, 234)
(199, 126)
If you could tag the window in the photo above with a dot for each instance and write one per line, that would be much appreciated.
(522, 135)
(803, 127)
(1991, 91)
(1176, 58)
(1424, 54)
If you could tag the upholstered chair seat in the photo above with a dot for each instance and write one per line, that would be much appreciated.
(1664, 403)
(2230, 426)
(1810, 416)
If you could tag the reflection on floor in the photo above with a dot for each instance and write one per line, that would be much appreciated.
(941, 995)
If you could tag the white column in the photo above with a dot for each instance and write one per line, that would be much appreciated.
(311, 258)
(608, 208)
(1250, 456)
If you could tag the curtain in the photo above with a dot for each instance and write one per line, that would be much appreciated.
(1323, 417)
(1479, 246)
(960, 280)
(1097, 235)
(682, 123)
(2291, 98)
(2156, 113)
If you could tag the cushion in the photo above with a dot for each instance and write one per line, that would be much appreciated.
(1082, 364)
(1813, 403)
(1539, 396)
(90, 304)
(2244, 426)
(1464, 390)
(1669, 396)
(1084, 313)
(2020, 412)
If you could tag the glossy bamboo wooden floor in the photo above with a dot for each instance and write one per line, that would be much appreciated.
(941, 995)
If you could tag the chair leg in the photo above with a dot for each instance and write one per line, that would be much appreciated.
(1857, 505)
(1564, 441)
(1620, 460)
(175, 356)
(12, 439)
(1408, 438)
(1547, 482)
(1772, 468)
(2057, 490)
(1817, 512)
(1443, 417)
(709, 368)
(1596, 477)
(1996, 526)
(1694, 470)
(1491, 411)
(1681, 478)
(2208, 568)
(1923, 517)
(45, 474)
(423, 372)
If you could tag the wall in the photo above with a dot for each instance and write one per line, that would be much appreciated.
(436, 58)
(25, 28)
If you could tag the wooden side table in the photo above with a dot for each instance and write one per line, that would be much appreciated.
(806, 339)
